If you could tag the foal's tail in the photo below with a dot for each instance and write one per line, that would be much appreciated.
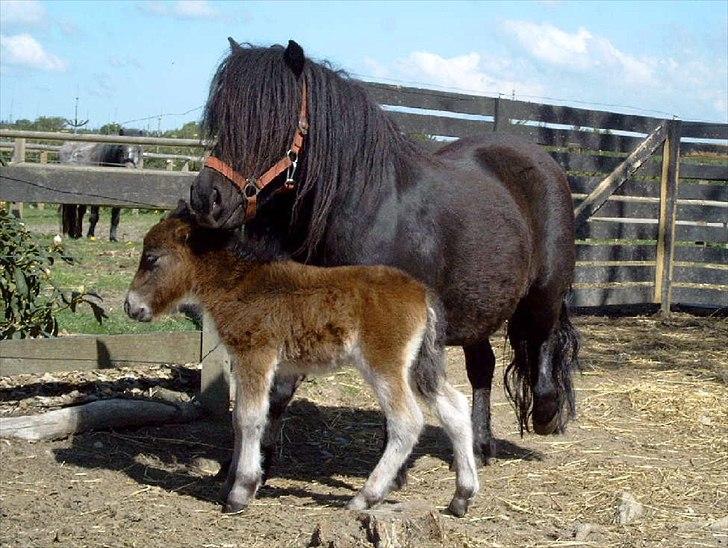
(428, 369)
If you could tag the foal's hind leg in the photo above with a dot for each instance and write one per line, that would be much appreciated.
(480, 364)
(451, 408)
(404, 424)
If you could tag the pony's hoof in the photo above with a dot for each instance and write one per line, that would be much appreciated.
(483, 453)
(458, 507)
(545, 416)
(400, 480)
(234, 507)
(547, 427)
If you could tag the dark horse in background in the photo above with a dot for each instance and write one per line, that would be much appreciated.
(95, 154)
(486, 222)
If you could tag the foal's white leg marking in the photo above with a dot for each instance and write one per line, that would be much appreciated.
(451, 408)
(249, 419)
(404, 424)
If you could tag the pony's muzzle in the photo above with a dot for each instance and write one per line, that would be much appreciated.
(136, 309)
(207, 207)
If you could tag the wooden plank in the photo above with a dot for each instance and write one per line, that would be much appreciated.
(87, 352)
(616, 295)
(568, 138)
(618, 274)
(701, 254)
(700, 233)
(439, 125)
(703, 274)
(619, 229)
(97, 138)
(705, 130)
(707, 172)
(692, 149)
(709, 213)
(668, 214)
(68, 184)
(430, 99)
(614, 180)
(622, 206)
(215, 375)
(705, 296)
(688, 189)
(694, 190)
(579, 117)
(607, 252)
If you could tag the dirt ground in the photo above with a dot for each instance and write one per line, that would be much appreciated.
(653, 422)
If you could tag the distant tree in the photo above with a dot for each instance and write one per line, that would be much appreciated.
(110, 129)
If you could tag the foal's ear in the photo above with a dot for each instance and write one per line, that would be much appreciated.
(234, 46)
(182, 233)
(294, 58)
(182, 211)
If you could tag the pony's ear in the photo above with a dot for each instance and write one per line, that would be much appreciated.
(294, 58)
(182, 211)
(234, 46)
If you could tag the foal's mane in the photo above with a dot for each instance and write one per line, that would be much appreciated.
(352, 146)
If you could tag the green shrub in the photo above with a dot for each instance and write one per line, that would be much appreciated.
(30, 299)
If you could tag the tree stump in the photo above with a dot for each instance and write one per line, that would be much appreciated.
(406, 524)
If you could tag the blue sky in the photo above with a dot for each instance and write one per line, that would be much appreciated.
(130, 60)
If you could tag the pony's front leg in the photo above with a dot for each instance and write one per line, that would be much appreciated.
(253, 376)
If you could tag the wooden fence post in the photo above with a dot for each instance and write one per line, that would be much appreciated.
(500, 116)
(215, 374)
(16, 208)
(43, 160)
(668, 209)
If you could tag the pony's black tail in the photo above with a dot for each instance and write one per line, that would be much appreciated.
(553, 412)
(428, 368)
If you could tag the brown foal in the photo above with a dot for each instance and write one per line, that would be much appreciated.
(283, 319)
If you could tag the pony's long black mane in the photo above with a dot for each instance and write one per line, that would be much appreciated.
(352, 145)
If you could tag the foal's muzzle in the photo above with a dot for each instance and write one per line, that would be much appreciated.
(136, 309)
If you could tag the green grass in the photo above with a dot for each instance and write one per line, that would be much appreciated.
(103, 267)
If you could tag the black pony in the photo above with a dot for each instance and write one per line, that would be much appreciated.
(95, 154)
(487, 222)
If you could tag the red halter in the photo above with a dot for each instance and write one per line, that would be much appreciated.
(250, 186)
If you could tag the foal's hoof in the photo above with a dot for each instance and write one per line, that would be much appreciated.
(459, 506)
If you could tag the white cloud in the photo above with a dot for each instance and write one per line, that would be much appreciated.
(470, 72)
(182, 9)
(22, 12)
(581, 51)
(24, 50)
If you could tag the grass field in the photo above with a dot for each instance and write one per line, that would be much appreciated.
(103, 267)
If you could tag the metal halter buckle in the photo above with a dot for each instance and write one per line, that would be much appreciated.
(250, 190)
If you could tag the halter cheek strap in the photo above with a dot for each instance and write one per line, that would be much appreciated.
(251, 186)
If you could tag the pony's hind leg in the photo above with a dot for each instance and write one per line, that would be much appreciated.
(115, 215)
(281, 394)
(252, 386)
(404, 424)
(480, 365)
(93, 220)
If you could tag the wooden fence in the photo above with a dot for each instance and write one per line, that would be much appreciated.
(651, 195)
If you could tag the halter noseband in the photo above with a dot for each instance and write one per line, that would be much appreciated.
(251, 186)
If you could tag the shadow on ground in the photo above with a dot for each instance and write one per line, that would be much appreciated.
(318, 444)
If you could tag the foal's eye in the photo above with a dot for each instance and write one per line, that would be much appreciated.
(150, 260)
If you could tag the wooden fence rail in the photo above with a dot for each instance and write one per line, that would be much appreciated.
(651, 195)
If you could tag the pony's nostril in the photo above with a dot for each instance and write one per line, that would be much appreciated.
(216, 200)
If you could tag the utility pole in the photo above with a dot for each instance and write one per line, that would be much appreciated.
(76, 123)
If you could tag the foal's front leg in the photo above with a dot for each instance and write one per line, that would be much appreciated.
(253, 376)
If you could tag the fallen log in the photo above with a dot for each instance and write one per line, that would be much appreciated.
(97, 415)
